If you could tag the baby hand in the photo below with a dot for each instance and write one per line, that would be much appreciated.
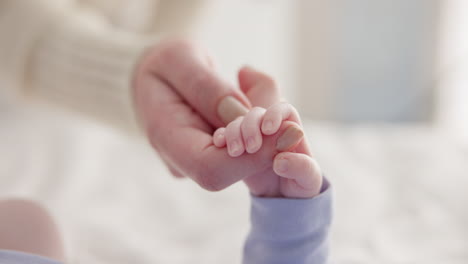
(292, 174)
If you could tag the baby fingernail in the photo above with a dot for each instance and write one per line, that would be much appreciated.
(268, 126)
(290, 138)
(234, 148)
(251, 144)
(282, 165)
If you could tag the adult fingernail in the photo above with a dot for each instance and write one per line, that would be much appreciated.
(290, 138)
(229, 108)
(281, 165)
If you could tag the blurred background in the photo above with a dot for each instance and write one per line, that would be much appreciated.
(383, 88)
(351, 61)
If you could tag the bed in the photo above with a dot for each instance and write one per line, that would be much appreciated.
(400, 193)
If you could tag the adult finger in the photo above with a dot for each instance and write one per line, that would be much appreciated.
(176, 173)
(260, 88)
(189, 71)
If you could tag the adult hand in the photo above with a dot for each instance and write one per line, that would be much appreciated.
(180, 100)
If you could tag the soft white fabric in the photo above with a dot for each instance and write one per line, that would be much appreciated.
(400, 194)
(81, 54)
(452, 79)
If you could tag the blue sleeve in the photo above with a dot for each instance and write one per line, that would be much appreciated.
(289, 231)
(16, 257)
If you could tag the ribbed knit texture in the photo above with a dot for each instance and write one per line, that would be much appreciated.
(87, 66)
(82, 54)
(22, 22)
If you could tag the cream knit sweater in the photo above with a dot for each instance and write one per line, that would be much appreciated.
(80, 54)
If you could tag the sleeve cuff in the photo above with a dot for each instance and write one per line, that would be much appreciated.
(280, 218)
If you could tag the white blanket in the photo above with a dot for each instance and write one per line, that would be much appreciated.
(400, 194)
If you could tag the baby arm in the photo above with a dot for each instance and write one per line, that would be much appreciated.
(284, 228)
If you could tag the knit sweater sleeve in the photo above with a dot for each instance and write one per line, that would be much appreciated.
(57, 52)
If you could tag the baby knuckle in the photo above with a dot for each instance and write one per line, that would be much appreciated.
(291, 107)
(283, 106)
(257, 109)
(245, 128)
(307, 164)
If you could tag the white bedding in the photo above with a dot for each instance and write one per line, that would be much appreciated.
(401, 194)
